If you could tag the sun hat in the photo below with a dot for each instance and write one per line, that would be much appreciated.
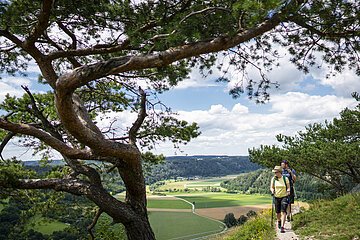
(277, 169)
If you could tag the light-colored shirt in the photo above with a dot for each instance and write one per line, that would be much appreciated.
(280, 187)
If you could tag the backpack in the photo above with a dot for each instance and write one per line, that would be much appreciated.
(290, 179)
(284, 182)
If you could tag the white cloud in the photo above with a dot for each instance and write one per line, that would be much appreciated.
(343, 83)
(233, 131)
(12, 86)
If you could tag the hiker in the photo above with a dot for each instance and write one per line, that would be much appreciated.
(280, 189)
(291, 175)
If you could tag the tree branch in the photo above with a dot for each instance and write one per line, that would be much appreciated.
(140, 119)
(300, 21)
(76, 120)
(47, 125)
(5, 141)
(89, 51)
(82, 75)
(92, 225)
(42, 23)
(73, 186)
(209, 9)
(69, 33)
(47, 138)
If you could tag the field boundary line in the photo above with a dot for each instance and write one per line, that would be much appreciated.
(194, 212)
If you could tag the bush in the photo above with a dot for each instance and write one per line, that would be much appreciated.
(251, 213)
(230, 220)
(242, 219)
(255, 228)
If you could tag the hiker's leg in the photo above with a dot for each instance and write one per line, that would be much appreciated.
(278, 211)
(284, 205)
(289, 212)
(283, 218)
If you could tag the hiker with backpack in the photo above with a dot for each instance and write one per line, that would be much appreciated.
(280, 189)
(291, 175)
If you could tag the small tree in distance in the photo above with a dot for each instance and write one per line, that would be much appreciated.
(93, 55)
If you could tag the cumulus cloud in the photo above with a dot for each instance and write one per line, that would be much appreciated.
(234, 131)
(12, 86)
(343, 83)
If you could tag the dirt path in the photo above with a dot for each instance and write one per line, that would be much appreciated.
(289, 233)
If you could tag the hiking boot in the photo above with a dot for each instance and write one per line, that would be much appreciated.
(282, 230)
(288, 218)
(279, 224)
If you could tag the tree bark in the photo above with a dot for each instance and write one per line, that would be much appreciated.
(139, 229)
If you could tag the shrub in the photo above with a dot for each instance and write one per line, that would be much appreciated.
(251, 213)
(242, 219)
(230, 220)
(255, 228)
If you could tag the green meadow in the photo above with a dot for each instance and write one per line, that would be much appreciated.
(169, 204)
(191, 184)
(45, 225)
(215, 200)
(182, 225)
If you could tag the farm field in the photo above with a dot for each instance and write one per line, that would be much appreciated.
(219, 200)
(182, 225)
(194, 184)
(168, 203)
(45, 226)
(209, 205)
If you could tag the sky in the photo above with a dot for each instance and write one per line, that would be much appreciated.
(230, 126)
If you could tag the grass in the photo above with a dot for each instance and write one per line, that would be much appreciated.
(182, 225)
(333, 220)
(256, 228)
(45, 225)
(170, 204)
(214, 200)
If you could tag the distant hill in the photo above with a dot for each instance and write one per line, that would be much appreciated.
(200, 165)
(184, 166)
(52, 163)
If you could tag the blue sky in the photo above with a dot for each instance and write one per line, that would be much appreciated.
(231, 126)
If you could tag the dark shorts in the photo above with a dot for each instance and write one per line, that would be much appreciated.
(281, 204)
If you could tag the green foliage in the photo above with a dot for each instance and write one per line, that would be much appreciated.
(256, 228)
(335, 220)
(230, 220)
(307, 187)
(114, 232)
(11, 171)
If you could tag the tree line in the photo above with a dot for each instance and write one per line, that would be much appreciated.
(307, 187)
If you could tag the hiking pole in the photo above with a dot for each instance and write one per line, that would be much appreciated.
(272, 210)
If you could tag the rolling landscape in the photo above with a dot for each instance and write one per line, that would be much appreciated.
(183, 206)
(168, 120)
